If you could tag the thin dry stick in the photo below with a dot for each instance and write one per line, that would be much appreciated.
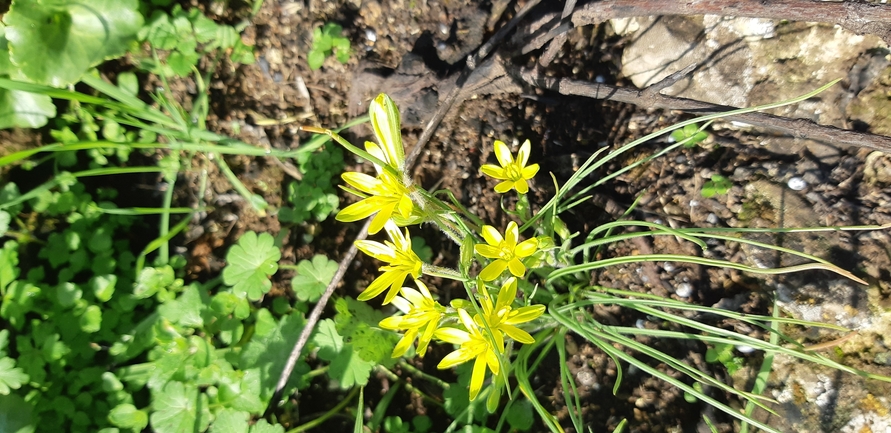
(800, 128)
(313, 318)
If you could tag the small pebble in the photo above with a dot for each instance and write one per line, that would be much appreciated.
(640, 324)
(684, 290)
(443, 28)
(797, 184)
(370, 35)
(742, 348)
(694, 203)
(680, 158)
(441, 46)
(599, 79)
(668, 267)
(711, 218)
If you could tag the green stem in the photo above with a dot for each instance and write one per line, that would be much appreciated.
(414, 371)
(439, 271)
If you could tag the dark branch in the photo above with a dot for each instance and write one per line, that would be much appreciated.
(800, 128)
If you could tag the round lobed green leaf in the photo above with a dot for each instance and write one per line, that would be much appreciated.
(55, 42)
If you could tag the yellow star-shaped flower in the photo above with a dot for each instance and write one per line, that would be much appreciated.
(502, 318)
(473, 345)
(387, 193)
(422, 315)
(514, 173)
(401, 262)
(505, 250)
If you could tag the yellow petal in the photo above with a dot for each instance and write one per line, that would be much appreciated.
(424, 341)
(391, 323)
(493, 171)
(503, 153)
(492, 236)
(457, 357)
(357, 211)
(507, 294)
(504, 187)
(361, 181)
(517, 334)
(487, 251)
(404, 343)
(377, 286)
(525, 314)
(512, 234)
(385, 121)
(523, 154)
(381, 218)
(405, 206)
(521, 186)
(477, 377)
(376, 250)
(492, 361)
(530, 171)
(517, 268)
(452, 335)
(493, 270)
(499, 340)
(395, 286)
(526, 248)
(467, 321)
(424, 290)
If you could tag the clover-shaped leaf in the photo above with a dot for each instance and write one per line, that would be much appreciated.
(313, 278)
(250, 263)
(70, 37)
(127, 416)
(180, 408)
(11, 377)
(690, 131)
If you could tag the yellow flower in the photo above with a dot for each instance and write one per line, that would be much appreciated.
(506, 252)
(501, 317)
(401, 262)
(512, 173)
(422, 317)
(386, 194)
(385, 122)
(473, 345)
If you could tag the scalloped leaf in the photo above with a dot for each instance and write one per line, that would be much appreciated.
(69, 36)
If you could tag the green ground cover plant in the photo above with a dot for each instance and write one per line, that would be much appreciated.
(328, 40)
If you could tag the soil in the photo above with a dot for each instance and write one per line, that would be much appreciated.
(416, 43)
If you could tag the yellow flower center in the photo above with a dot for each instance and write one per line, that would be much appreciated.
(507, 252)
(513, 171)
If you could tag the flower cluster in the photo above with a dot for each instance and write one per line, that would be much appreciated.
(480, 328)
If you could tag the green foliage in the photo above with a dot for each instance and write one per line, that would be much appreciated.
(718, 185)
(327, 40)
(691, 133)
(313, 277)
(420, 247)
(187, 36)
(723, 353)
(520, 415)
(69, 38)
(250, 263)
(314, 196)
